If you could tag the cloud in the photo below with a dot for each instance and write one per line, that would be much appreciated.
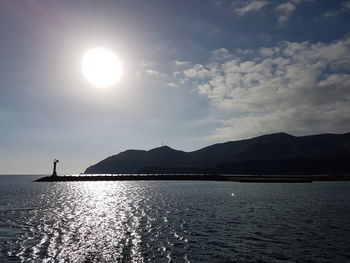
(198, 71)
(295, 87)
(172, 85)
(152, 72)
(334, 13)
(286, 9)
(221, 54)
(149, 73)
(250, 7)
(180, 63)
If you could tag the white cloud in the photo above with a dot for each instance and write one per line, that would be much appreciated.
(172, 85)
(334, 13)
(198, 71)
(286, 9)
(146, 64)
(152, 72)
(222, 54)
(180, 63)
(250, 7)
(295, 87)
(283, 10)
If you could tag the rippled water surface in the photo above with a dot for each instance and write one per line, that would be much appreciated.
(179, 221)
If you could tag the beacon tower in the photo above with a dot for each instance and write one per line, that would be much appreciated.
(54, 173)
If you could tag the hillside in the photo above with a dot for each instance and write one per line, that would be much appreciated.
(278, 153)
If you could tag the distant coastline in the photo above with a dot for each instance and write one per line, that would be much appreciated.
(272, 154)
(195, 177)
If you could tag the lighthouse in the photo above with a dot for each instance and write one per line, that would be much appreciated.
(54, 173)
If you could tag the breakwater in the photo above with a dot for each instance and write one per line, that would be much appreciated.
(194, 177)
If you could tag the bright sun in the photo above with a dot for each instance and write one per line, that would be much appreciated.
(101, 67)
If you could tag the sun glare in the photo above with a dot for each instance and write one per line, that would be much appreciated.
(101, 67)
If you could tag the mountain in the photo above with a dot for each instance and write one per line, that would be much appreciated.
(278, 153)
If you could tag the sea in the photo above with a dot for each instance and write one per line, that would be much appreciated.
(173, 221)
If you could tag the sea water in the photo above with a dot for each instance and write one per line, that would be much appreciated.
(173, 221)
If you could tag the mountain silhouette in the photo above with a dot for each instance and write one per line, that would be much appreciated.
(278, 153)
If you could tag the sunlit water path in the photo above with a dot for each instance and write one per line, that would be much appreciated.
(178, 221)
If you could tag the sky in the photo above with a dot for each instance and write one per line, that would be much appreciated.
(195, 73)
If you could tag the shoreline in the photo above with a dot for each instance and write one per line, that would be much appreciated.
(195, 177)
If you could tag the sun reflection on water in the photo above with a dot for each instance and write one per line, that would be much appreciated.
(87, 221)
